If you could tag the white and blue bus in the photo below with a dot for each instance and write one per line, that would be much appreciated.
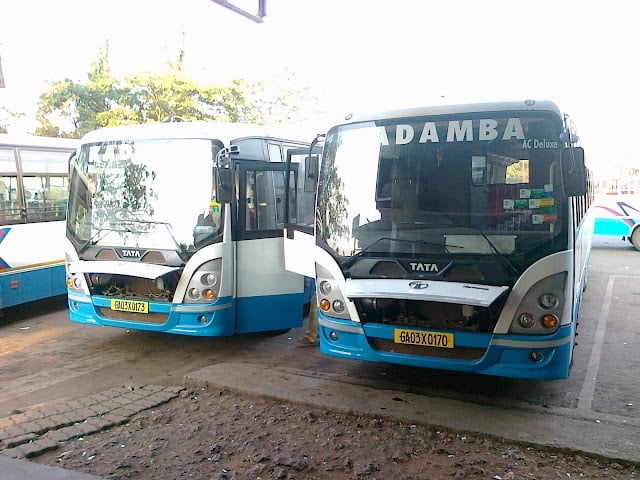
(33, 202)
(178, 228)
(452, 237)
(617, 205)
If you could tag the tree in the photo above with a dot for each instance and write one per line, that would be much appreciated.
(72, 109)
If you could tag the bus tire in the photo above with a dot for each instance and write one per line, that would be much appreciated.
(635, 237)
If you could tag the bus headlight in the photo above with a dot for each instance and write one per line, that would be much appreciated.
(548, 301)
(325, 288)
(526, 320)
(209, 279)
(541, 307)
(330, 297)
(204, 285)
(75, 282)
(338, 306)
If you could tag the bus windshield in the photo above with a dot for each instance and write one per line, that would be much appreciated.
(145, 194)
(409, 197)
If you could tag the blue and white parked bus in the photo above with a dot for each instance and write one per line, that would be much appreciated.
(617, 206)
(178, 228)
(33, 201)
(451, 237)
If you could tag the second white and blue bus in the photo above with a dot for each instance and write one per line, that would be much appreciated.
(178, 228)
(33, 203)
(617, 205)
(453, 237)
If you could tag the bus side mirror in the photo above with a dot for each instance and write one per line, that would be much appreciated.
(225, 185)
(574, 175)
(311, 173)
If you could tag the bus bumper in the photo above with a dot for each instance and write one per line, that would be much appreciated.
(214, 320)
(516, 356)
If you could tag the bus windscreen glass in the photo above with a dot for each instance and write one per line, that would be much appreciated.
(145, 193)
(483, 188)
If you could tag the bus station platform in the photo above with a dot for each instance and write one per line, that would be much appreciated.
(555, 427)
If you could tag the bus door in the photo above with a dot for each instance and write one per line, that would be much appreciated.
(267, 296)
(299, 239)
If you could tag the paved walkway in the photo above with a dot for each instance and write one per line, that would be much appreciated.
(31, 433)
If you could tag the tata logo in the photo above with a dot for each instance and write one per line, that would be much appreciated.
(424, 267)
(130, 253)
(418, 285)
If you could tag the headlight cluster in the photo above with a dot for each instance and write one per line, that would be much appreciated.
(75, 281)
(541, 308)
(205, 283)
(330, 300)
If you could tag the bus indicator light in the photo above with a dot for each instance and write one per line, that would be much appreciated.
(325, 305)
(549, 321)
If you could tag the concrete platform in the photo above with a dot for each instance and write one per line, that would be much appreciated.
(605, 436)
(15, 469)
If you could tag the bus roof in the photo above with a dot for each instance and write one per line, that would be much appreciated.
(223, 131)
(33, 141)
(533, 105)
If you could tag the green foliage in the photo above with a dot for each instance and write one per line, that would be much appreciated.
(72, 109)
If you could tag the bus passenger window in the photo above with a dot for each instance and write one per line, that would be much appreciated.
(9, 205)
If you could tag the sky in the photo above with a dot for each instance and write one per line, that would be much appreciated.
(354, 55)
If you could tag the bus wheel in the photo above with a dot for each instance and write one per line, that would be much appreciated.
(635, 237)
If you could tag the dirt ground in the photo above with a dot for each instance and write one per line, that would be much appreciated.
(211, 434)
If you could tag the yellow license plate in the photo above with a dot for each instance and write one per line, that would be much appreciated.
(133, 306)
(423, 338)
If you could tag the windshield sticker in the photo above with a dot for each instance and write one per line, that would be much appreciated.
(527, 203)
(540, 218)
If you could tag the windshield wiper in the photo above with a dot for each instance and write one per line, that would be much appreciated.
(496, 254)
(124, 226)
(94, 238)
(180, 247)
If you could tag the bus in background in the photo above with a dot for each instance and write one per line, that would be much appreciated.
(455, 238)
(617, 205)
(33, 202)
(153, 245)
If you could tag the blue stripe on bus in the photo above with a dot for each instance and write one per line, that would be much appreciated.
(611, 226)
(29, 285)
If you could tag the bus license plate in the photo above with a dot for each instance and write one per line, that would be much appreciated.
(130, 306)
(423, 338)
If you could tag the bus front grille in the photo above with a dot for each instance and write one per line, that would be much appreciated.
(149, 318)
(426, 314)
(458, 353)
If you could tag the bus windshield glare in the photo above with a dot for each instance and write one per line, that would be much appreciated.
(485, 187)
(139, 193)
